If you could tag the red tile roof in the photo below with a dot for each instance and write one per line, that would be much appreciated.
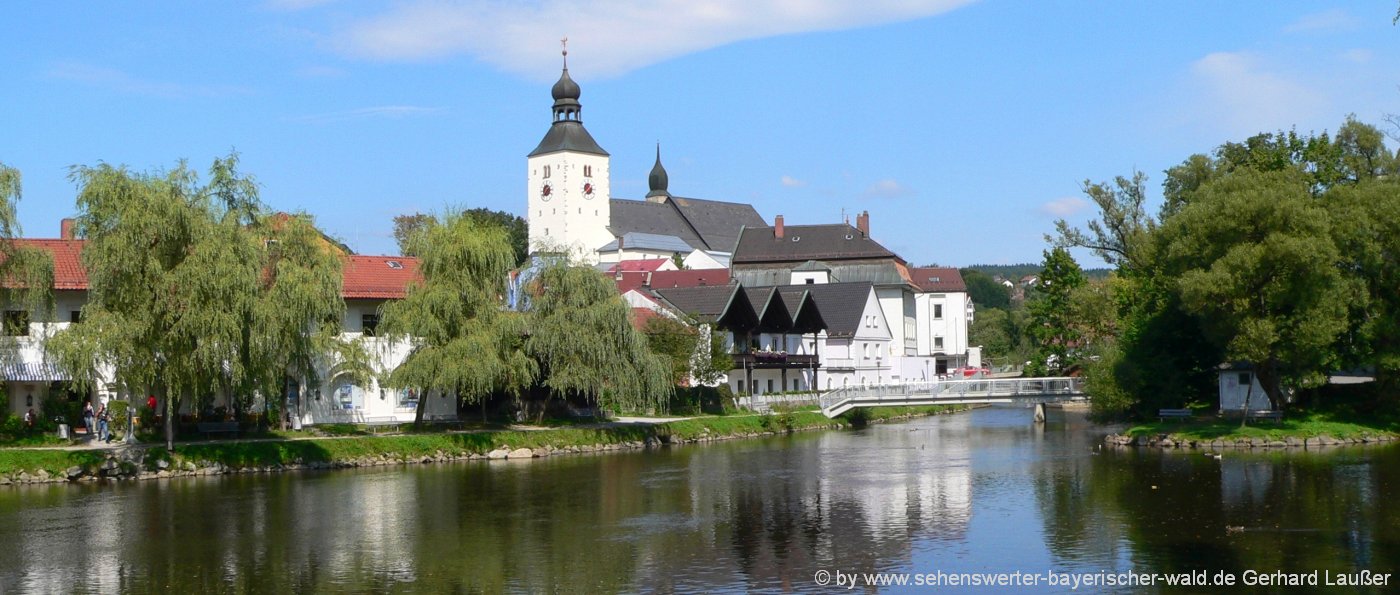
(68, 271)
(937, 279)
(647, 264)
(364, 277)
(669, 279)
(377, 277)
(640, 316)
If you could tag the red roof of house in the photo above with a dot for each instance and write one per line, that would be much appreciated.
(936, 279)
(628, 281)
(378, 277)
(68, 271)
(640, 316)
(364, 277)
(647, 264)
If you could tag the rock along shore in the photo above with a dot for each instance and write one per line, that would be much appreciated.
(1169, 441)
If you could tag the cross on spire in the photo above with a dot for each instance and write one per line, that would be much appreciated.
(564, 43)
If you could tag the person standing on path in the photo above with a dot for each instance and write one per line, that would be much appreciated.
(102, 433)
(88, 416)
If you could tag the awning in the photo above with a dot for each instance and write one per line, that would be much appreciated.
(32, 372)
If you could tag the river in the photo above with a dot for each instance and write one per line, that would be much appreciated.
(980, 492)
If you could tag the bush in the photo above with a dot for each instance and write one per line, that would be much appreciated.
(119, 412)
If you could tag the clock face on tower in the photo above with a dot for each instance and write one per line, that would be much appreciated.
(547, 191)
(588, 190)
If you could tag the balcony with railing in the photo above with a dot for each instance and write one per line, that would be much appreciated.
(775, 359)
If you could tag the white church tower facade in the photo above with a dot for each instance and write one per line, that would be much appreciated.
(568, 191)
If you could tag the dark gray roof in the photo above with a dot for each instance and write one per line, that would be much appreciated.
(568, 135)
(805, 319)
(705, 303)
(717, 222)
(841, 305)
(801, 243)
(639, 216)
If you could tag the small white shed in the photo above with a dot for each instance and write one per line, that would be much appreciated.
(1238, 382)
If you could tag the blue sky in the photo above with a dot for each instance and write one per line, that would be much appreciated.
(965, 128)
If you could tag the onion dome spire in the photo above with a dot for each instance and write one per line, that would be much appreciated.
(566, 92)
(658, 181)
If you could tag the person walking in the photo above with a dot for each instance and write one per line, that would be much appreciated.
(102, 433)
(88, 416)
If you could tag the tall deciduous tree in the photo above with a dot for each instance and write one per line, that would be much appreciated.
(27, 273)
(517, 230)
(171, 277)
(1254, 258)
(581, 334)
(1052, 323)
(464, 342)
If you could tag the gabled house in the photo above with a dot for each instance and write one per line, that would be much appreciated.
(944, 314)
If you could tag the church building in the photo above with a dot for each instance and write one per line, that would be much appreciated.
(570, 208)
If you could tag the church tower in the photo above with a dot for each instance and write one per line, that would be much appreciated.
(568, 189)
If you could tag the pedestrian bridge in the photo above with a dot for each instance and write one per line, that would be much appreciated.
(973, 391)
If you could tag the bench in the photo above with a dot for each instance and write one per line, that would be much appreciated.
(1265, 415)
(373, 424)
(1164, 414)
(218, 427)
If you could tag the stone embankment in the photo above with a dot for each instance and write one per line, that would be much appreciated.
(1170, 441)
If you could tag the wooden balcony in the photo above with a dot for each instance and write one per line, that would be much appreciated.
(775, 360)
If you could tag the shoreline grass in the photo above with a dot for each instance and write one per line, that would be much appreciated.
(417, 446)
(1301, 425)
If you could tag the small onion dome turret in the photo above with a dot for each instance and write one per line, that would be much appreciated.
(658, 181)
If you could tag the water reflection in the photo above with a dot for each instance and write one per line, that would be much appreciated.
(974, 492)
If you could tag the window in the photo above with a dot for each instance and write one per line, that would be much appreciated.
(754, 387)
(811, 281)
(587, 171)
(795, 385)
(770, 385)
(866, 348)
(369, 323)
(546, 171)
(1244, 378)
(938, 343)
(16, 323)
(75, 316)
(937, 311)
(347, 395)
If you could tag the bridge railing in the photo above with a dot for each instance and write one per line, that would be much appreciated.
(953, 390)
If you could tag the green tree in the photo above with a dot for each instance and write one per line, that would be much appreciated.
(28, 271)
(985, 291)
(586, 346)
(1255, 260)
(464, 343)
(693, 353)
(1052, 324)
(516, 228)
(173, 273)
(405, 226)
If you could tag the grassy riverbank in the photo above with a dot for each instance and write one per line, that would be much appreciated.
(1301, 426)
(357, 450)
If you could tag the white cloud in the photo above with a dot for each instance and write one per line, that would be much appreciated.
(382, 111)
(1331, 20)
(610, 36)
(792, 182)
(1064, 207)
(1246, 98)
(887, 188)
(117, 80)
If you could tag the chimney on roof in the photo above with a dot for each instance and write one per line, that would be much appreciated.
(66, 227)
(863, 222)
(778, 227)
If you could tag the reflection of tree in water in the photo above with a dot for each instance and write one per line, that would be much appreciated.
(1182, 511)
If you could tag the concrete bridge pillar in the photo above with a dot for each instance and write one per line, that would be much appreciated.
(1040, 413)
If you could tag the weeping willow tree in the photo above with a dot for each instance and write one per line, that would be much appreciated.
(293, 327)
(27, 273)
(187, 296)
(582, 336)
(464, 342)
